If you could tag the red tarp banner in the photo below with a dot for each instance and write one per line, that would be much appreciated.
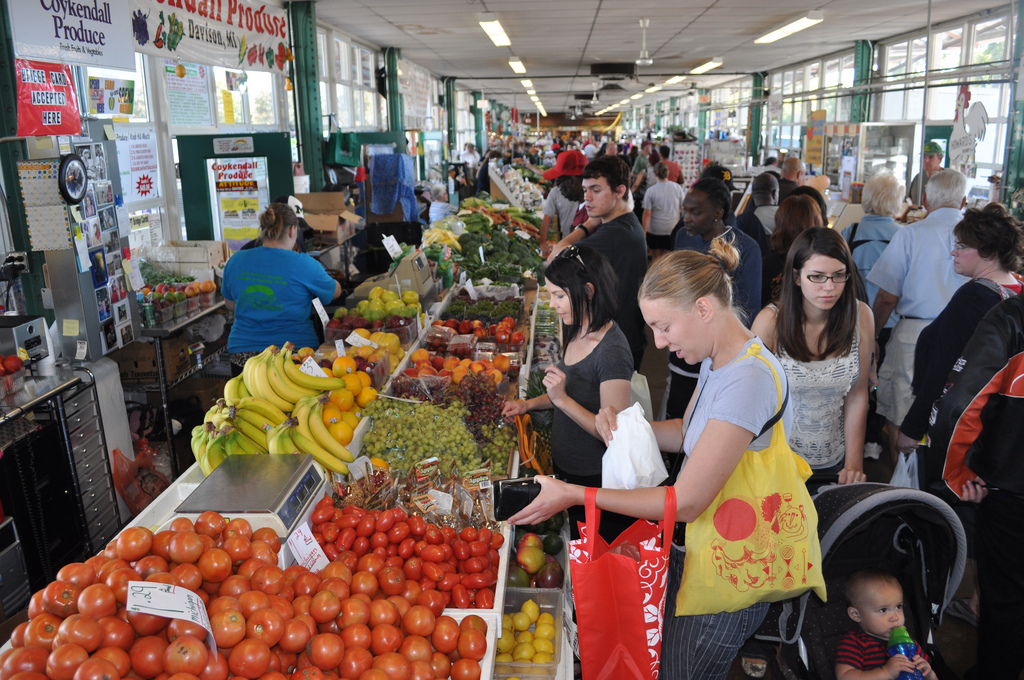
(47, 104)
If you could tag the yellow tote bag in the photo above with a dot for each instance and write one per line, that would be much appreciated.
(758, 540)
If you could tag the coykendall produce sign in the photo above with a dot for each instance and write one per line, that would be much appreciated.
(86, 32)
(236, 34)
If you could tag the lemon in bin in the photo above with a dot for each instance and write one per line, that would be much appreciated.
(543, 645)
(521, 621)
(524, 652)
(547, 618)
(506, 642)
(531, 609)
(544, 631)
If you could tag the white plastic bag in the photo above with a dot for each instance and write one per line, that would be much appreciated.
(640, 393)
(633, 460)
(905, 473)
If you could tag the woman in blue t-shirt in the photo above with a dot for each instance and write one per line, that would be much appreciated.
(271, 288)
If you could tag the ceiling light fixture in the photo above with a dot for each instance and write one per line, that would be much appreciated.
(516, 64)
(644, 59)
(675, 80)
(705, 67)
(492, 27)
(653, 89)
(527, 83)
(636, 96)
(531, 92)
(624, 101)
(806, 21)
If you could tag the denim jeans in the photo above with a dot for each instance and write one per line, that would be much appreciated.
(702, 647)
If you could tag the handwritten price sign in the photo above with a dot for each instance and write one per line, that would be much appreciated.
(306, 550)
(173, 602)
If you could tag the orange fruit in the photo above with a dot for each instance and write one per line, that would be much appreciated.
(496, 376)
(353, 384)
(502, 362)
(380, 462)
(421, 355)
(342, 399)
(341, 432)
(458, 374)
(365, 378)
(343, 365)
(366, 396)
(350, 419)
(331, 414)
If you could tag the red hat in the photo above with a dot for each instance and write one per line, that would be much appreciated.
(569, 163)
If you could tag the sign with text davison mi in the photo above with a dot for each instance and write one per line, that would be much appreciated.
(47, 104)
(237, 34)
(86, 32)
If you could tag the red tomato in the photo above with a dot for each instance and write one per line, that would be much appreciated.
(472, 644)
(117, 633)
(441, 664)
(147, 656)
(180, 627)
(446, 635)
(393, 664)
(185, 547)
(354, 663)
(147, 624)
(356, 635)
(42, 631)
(228, 628)
(238, 527)
(419, 620)
(216, 668)
(497, 540)
(210, 523)
(81, 630)
(398, 532)
(250, 658)
(421, 670)
(381, 612)
(365, 582)
(64, 661)
(80, 574)
(187, 654)
(61, 598)
(134, 543)
(295, 635)
(215, 565)
(17, 636)
(24, 660)
(268, 536)
(485, 598)
(266, 625)
(116, 656)
(97, 668)
(432, 600)
(269, 579)
(385, 638)
(326, 650)
(466, 669)
(188, 576)
(324, 606)
(417, 525)
(253, 600)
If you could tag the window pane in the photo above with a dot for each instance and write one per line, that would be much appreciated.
(367, 66)
(896, 60)
(948, 48)
(325, 108)
(846, 71)
(918, 49)
(832, 73)
(369, 117)
(829, 105)
(813, 73)
(915, 104)
(262, 108)
(776, 80)
(989, 41)
(354, 65)
(843, 112)
(343, 95)
(989, 96)
(228, 96)
(985, 152)
(892, 106)
(787, 112)
(787, 82)
(942, 102)
(321, 53)
(382, 104)
(103, 108)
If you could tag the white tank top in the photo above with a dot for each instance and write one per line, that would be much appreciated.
(818, 390)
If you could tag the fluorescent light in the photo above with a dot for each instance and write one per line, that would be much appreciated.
(527, 83)
(516, 64)
(704, 68)
(675, 80)
(531, 92)
(534, 99)
(806, 21)
(636, 96)
(624, 101)
(653, 89)
(492, 27)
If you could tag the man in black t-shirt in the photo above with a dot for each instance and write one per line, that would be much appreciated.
(620, 239)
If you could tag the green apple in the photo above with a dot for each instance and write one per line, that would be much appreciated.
(410, 297)
(376, 292)
(393, 306)
(362, 305)
(375, 305)
(390, 296)
(340, 312)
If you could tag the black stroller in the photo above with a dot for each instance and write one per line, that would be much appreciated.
(911, 534)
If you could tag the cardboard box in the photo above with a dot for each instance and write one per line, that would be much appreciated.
(137, 361)
(181, 257)
(412, 273)
(327, 213)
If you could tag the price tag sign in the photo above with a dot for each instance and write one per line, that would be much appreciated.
(310, 367)
(306, 550)
(523, 235)
(339, 347)
(321, 312)
(81, 349)
(442, 500)
(482, 260)
(357, 340)
(462, 277)
(391, 245)
(173, 602)
(471, 290)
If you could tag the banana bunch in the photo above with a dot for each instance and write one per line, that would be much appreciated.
(231, 430)
(235, 390)
(211, 445)
(442, 236)
(289, 438)
(274, 377)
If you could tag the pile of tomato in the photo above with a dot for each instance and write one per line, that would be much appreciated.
(461, 567)
(357, 620)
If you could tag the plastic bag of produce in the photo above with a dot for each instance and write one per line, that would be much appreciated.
(138, 481)
(633, 460)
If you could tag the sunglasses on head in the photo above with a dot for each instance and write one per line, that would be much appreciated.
(570, 253)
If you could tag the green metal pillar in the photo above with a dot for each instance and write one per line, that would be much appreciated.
(478, 123)
(449, 117)
(702, 115)
(755, 118)
(396, 108)
(10, 153)
(1013, 174)
(306, 80)
(860, 106)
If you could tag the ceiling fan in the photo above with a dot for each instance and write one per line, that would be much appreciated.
(644, 59)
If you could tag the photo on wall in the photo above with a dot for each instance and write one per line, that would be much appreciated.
(104, 193)
(108, 218)
(103, 304)
(89, 203)
(91, 229)
(108, 335)
(118, 291)
(98, 267)
(121, 312)
(125, 334)
(95, 161)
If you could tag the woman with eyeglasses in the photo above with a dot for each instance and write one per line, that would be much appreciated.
(594, 372)
(823, 337)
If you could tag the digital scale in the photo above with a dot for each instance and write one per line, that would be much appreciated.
(272, 490)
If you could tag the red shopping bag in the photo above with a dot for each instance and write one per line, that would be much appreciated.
(620, 602)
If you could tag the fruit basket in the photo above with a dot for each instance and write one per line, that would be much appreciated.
(192, 304)
(11, 383)
(180, 309)
(163, 314)
(549, 602)
(437, 338)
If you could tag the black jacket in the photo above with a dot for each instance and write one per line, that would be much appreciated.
(979, 423)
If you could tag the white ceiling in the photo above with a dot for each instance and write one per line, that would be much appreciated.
(558, 40)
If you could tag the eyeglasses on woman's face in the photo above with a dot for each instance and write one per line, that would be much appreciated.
(838, 278)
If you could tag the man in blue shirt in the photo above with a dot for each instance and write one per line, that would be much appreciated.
(915, 278)
(705, 208)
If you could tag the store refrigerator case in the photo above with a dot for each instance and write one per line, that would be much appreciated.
(892, 146)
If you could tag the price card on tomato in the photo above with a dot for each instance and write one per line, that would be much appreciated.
(173, 602)
(306, 550)
(310, 367)
(391, 245)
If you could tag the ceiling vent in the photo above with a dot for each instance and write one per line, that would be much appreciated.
(613, 70)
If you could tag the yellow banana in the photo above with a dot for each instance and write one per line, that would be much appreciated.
(282, 385)
(215, 454)
(231, 391)
(242, 444)
(248, 379)
(242, 391)
(275, 436)
(306, 445)
(292, 372)
(324, 438)
(199, 444)
(252, 432)
(261, 380)
(273, 414)
(285, 442)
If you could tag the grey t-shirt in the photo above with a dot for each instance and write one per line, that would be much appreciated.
(742, 393)
(573, 448)
(665, 201)
(558, 205)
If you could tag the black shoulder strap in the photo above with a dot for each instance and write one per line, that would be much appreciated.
(854, 243)
(853, 232)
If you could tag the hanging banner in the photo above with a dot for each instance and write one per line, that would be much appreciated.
(239, 34)
(814, 149)
(86, 32)
(111, 96)
(137, 163)
(47, 104)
